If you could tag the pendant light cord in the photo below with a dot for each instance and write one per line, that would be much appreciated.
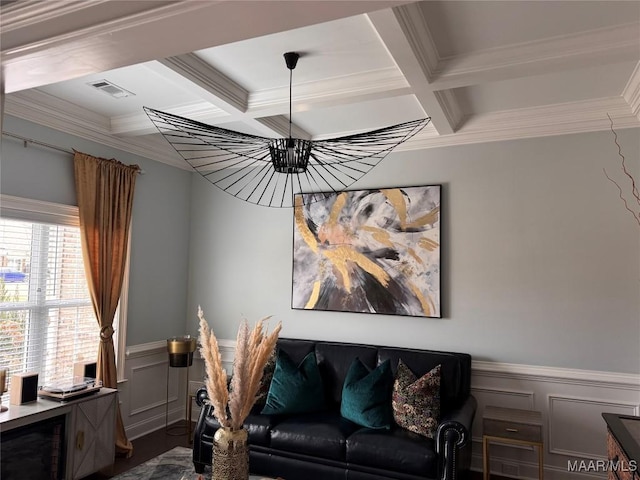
(290, 98)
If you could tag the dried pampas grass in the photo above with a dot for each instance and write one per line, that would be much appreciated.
(253, 348)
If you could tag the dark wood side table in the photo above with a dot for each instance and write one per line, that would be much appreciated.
(623, 446)
(511, 426)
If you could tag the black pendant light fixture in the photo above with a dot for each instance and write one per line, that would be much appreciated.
(271, 171)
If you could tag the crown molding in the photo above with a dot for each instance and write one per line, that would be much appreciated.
(631, 92)
(49, 111)
(544, 121)
(139, 123)
(44, 109)
(550, 120)
(337, 90)
(611, 44)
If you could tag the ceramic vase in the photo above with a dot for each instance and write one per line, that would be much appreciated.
(230, 454)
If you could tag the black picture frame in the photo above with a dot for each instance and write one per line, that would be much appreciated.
(369, 251)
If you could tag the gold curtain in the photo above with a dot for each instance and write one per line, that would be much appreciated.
(104, 190)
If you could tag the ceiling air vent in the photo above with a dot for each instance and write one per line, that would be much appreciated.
(111, 89)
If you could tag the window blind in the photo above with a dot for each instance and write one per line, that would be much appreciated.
(46, 319)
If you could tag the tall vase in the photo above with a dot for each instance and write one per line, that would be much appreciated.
(230, 455)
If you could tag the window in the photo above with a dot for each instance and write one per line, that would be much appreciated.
(46, 318)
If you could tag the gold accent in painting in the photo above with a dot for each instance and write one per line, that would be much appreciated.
(369, 251)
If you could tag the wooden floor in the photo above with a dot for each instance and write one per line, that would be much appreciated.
(155, 443)
(145, 448)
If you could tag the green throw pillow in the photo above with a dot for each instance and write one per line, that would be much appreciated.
(416, 401)
(295, 388)
(366, 395)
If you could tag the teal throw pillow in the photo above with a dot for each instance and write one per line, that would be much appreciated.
(295, 388)
(366, 395)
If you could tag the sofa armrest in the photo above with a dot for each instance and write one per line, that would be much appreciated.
(454, 432)
(202, 397)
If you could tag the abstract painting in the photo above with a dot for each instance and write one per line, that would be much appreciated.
(369, 251)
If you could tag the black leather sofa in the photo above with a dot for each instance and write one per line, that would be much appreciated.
(325, 446)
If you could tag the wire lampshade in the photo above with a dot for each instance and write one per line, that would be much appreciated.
(270, 171)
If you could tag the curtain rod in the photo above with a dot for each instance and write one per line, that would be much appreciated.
(42, 144)
(31, 140)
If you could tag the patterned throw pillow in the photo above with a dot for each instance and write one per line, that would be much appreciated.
(416, 401)
(265, 382)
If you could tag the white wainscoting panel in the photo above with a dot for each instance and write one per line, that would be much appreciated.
(143, 395)
(571, 401)
(570, 435)
(144, 404)
(139, 401)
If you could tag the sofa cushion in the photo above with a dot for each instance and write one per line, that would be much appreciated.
(395, 450)
(366, 395)
(296, 349)
(334, 360)
(259, 428)
(295, 388)
(416, 401)
(321, 434)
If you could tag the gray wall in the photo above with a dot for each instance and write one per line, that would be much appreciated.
(541, 262)
(160, 230)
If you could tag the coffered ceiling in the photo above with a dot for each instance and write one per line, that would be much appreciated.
(482, 70)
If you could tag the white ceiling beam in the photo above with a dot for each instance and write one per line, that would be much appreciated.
(215, 88)
(223, 92)
(218, 89)
(395, 32)
(595, 47)
(343, 90)
(54, 17)
(225, 101)
(36, 51)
